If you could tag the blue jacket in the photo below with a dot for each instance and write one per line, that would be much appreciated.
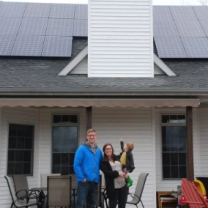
(87, 163)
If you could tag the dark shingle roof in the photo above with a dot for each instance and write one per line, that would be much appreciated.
(41, 75)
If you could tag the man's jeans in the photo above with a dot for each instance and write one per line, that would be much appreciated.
(87, 194)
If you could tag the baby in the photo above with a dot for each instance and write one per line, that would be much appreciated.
(127, 160)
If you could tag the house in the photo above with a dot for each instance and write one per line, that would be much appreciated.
(59, 77)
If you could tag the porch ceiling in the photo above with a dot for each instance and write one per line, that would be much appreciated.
(15, 102)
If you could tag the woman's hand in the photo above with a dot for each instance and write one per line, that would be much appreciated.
(121, 174)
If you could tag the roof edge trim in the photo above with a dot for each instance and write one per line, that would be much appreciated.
(163, 66)
(99, 102)
(74, 62)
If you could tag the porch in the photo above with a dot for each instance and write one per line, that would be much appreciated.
(140, 125)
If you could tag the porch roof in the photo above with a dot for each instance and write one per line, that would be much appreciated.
(16, 102)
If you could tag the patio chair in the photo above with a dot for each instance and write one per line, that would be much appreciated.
(137, 196)
(20, 183)
(16, 202)
(193, 197)
(59, 191)
(44, 176)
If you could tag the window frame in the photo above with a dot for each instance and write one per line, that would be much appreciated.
(63, 125)
(169, 125)
(32, 151)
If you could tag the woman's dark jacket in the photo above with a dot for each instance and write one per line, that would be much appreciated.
(110, 175)
(129, 159)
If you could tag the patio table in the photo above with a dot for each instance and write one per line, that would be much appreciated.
(41, 195)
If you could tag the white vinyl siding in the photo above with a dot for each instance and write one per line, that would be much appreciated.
(169, 185)
(120, 38)
(28, 116)
(203, 129)
(82, 68)
(133, 125)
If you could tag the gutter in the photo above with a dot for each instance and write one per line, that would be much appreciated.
(144, 93)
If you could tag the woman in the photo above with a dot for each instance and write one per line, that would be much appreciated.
(115, 178)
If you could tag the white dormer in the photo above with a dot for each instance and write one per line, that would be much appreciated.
(120, 38)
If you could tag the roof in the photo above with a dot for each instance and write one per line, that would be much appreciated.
(38, 75)
(39, 29)
(181, 31)
(47, 30)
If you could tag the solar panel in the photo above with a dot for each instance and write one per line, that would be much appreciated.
(37, 10)
(204, 25)
(161, 13)
(196, 47)
(62, 11)
(57, 46)
(60, 27)
(189, 28)
(182, 12)
(201, 12)
(170, 48)
(191, 33)
(33, 26)
(81, 11)
(165, 28)
(10, 9)
(28, 46)
(80, 28)
(6, 43)
(9, 26)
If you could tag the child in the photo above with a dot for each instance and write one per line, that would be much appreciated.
(127, 159)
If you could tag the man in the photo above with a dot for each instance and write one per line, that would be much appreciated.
(86, 166)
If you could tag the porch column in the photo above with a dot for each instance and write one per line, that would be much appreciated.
(189, 141)
(88, 118)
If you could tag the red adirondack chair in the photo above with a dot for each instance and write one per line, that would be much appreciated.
(193, 197)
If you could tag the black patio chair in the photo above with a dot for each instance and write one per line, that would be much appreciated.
(137, 196)
(20, 202)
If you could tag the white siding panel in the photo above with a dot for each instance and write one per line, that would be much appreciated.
(203, 126)
(120, 30)
(134, 125)
(169, 185)
(26, 116)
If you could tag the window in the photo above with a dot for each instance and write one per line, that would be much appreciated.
(174, 148)
(64, 143)
(20, 150)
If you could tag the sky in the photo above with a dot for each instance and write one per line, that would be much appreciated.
(155, 2)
